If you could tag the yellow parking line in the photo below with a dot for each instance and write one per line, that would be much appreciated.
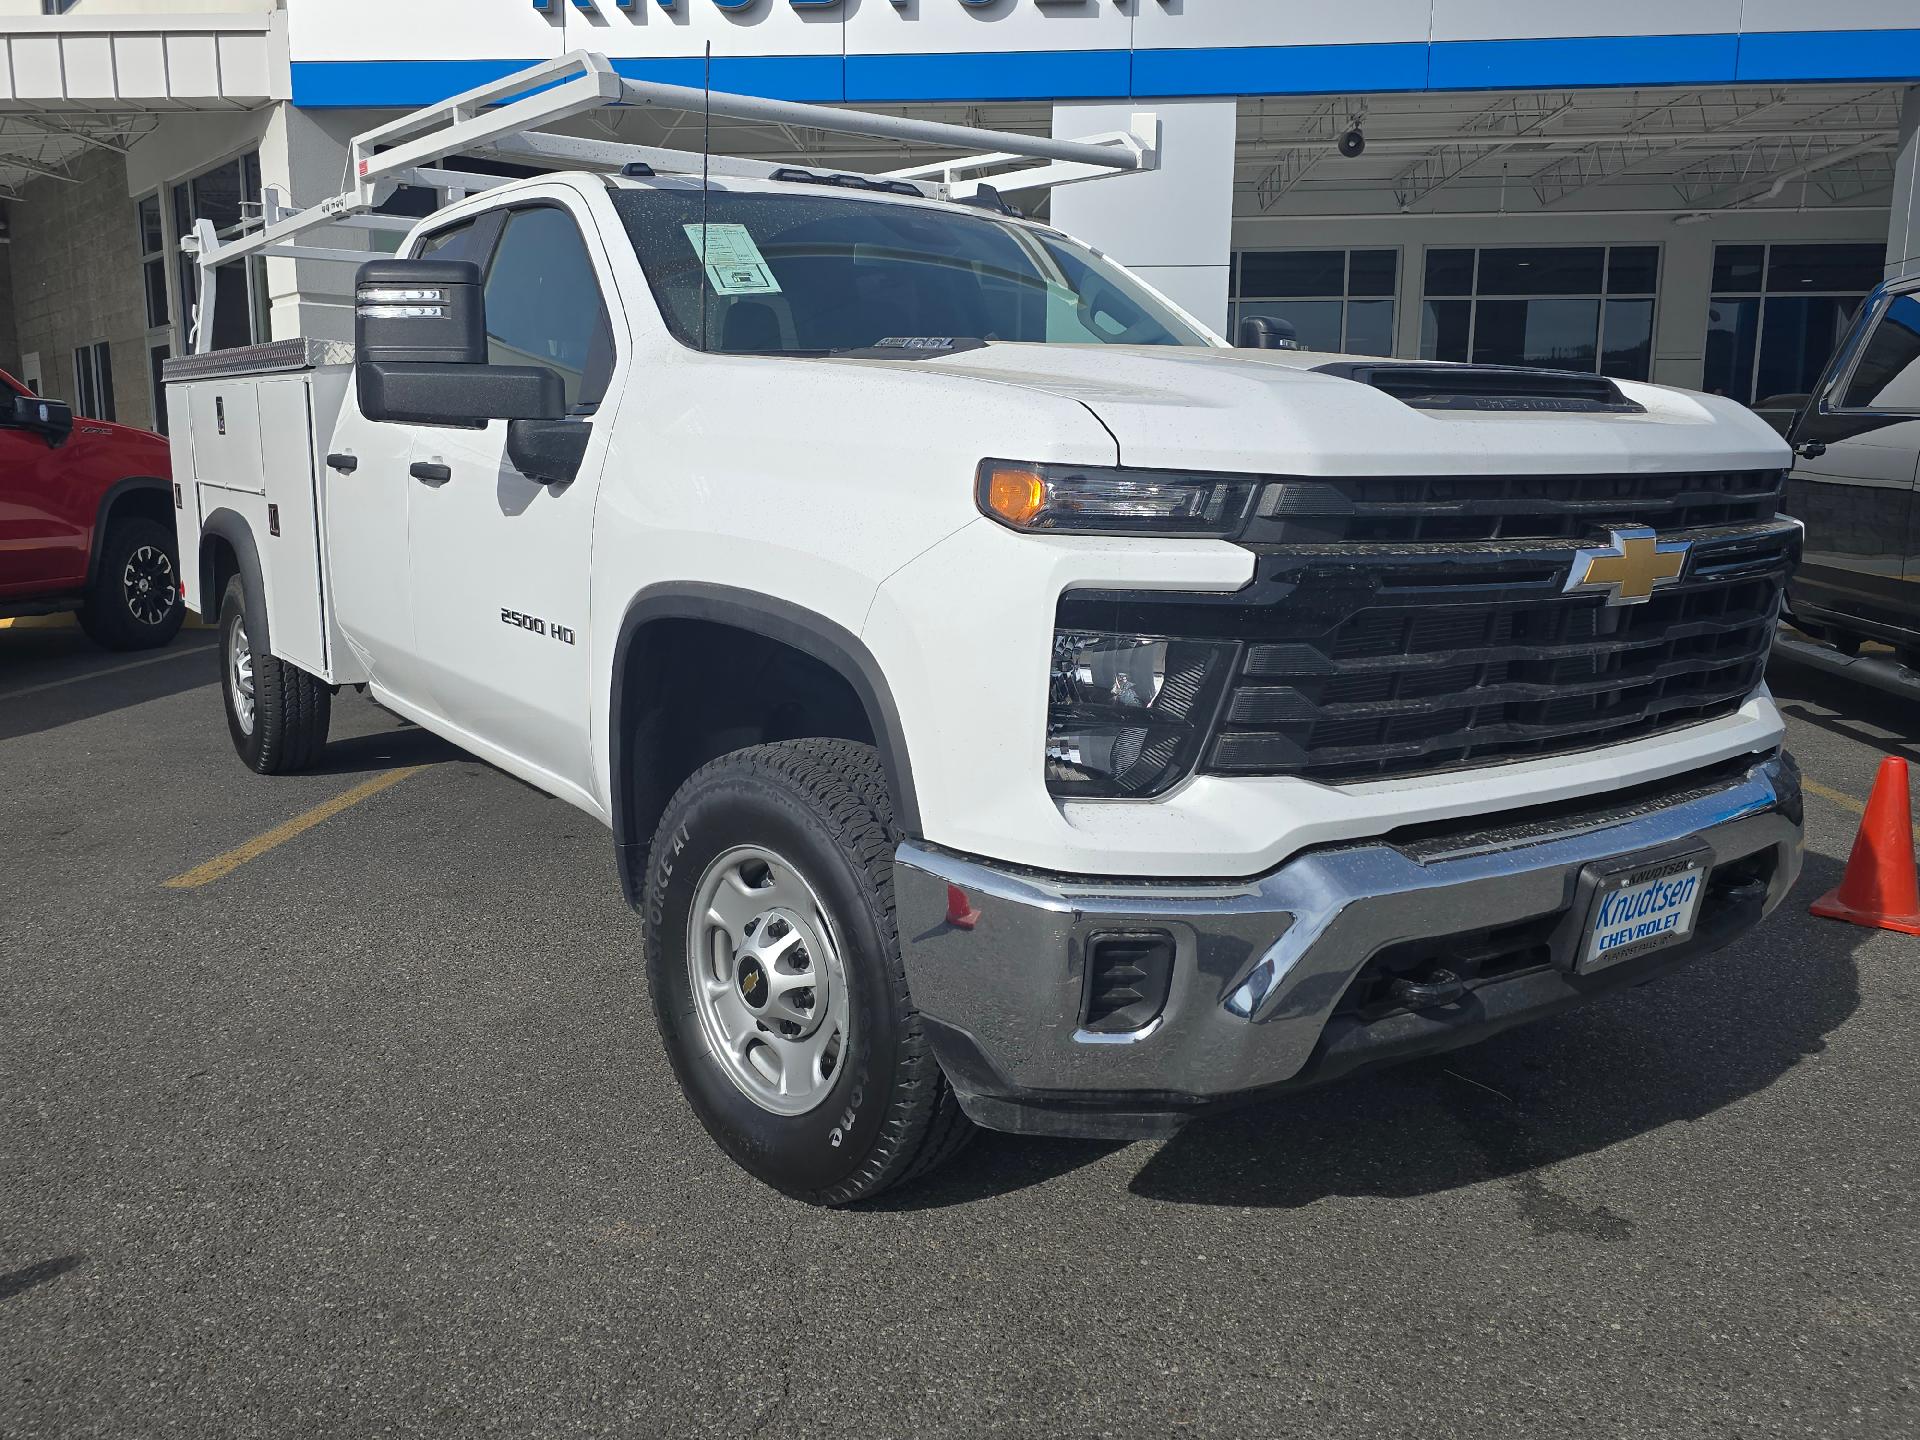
(67, 620)
(223, 865)
(1841, 798)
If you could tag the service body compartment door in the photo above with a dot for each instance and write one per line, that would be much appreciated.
(290, 543)
(226, 433)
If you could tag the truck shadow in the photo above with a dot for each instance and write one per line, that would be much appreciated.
(50, 678)
(1716, 1032)
(1843, 708)
(406, 744)
(1719, 1030)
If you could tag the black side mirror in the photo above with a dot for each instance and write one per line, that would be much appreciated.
(52, 418)
(420, 350)
(1262, 332)
(549, 451)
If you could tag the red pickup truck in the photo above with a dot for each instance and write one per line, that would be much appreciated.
(86, 522)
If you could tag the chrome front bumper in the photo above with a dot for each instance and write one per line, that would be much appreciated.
(1261, 965)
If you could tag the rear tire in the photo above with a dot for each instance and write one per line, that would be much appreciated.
(776, 975)
(134, 600)
(276, 712)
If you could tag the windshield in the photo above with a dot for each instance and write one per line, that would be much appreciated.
(818, 274)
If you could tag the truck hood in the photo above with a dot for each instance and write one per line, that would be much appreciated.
(1267, 411)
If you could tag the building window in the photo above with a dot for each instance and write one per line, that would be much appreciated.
(1337, 300)
(1778, 311)
(93, 381)
(1572, 307)
(153, 261)
(227, 196)
(150, 221)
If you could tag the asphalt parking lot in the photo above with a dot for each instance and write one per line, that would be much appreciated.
(367, 1133)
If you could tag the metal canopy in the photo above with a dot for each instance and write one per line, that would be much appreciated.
(1571, 151)
(35, 147)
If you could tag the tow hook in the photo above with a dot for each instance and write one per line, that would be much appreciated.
(1441, 987)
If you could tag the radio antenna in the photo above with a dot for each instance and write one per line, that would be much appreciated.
(706, 149)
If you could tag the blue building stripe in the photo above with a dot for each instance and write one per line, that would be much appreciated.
(814, 78)
(1280, 70)
(1015, 75)
(399, 84)
(1595, 60)
(1591, 61)
(1831, 55)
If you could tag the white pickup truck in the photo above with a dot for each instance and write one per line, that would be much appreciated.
(1012, 705)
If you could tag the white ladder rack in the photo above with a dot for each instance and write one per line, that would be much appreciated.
(504, 119)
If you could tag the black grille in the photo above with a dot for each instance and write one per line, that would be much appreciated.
(1407, 511)
(1371, 658)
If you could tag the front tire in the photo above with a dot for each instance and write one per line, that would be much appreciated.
(277, 714)
(134, 600)
(776, 975)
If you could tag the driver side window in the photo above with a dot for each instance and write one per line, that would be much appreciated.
(544, 305)
(1888, 375)
(543, 299)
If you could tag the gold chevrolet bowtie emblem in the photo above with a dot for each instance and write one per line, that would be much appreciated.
(1636, 563)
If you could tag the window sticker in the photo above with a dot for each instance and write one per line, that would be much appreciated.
(735, 265)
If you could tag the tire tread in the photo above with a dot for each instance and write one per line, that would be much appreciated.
(844, 785)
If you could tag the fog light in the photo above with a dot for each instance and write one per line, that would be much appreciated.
(1128, 712)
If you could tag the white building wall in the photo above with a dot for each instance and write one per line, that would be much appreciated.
(88, 9)
(1174, 225)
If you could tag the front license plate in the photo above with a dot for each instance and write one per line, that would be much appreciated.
(1638, 911)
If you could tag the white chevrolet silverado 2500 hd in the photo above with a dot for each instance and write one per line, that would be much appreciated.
(1010, 704)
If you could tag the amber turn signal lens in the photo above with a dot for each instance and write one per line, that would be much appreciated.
(1016, 496)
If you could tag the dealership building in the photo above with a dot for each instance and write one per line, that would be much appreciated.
(1698, 194)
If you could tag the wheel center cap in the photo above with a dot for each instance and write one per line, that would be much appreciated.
(751, 977)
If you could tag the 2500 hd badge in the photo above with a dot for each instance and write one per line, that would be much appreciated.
(563, 633)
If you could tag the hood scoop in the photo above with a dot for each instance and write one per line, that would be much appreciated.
(1488, 387)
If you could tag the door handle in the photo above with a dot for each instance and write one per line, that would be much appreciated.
(345, 464)
(427, 470)
(1810, 449)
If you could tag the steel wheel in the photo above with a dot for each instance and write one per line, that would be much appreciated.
(240, 674)
(767, 980)
(150, 586)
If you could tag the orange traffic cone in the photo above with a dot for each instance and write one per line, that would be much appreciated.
(1880, 888)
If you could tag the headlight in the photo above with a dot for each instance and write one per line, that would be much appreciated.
(1128, 712)
(1090, 501)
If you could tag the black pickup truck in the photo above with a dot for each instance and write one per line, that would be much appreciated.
(1854, 483)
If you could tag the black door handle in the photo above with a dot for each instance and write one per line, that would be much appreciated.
(425, 470)
(345, 464)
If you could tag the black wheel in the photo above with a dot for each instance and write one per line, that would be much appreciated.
(776, 974)
(134, 601)
(276, 712)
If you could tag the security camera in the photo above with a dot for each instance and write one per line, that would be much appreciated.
(1353, 144)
